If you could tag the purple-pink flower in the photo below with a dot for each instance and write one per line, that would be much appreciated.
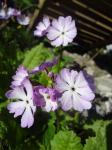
(21, 75)
(24, 104)
(47, 98)
(62, 31)
(42, 27)
(77, 90)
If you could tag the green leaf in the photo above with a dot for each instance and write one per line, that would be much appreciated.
(97, 126)
(66, 140)
(44, 79)
(99, 142)
(50, 131)
(3, 130)
(96, 143)
(36, 56)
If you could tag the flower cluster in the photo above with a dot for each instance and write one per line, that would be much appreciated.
(69, 90)
(59, 31)
(7, 13)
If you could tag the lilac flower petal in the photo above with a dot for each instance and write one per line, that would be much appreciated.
(66, 40)
(46, 21)
(65, 75)
(42, 27)
(14, 105)
(82, 81)
(66, 101)
(17, 108)
(19, 112)
(57, 42)
(61, 85)
(17, 93)
(38, 33)
(27, 119)
(21, 75)
(53, 33)
(56, 25)
(80, 104)
(86, 93)
(61, 21)
(10, 11)
(28, 88)
(73, 75)
(23, 20)
(71, 34)
(68, 20)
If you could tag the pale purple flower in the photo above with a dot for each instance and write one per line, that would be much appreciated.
(24, 103)
(42, 27)
(16, 12)
(44, 66)
(23, 20)
(47, 98)
(19, 77)
(62, 31)
(7, 13)
(77, 90)
(13, 12)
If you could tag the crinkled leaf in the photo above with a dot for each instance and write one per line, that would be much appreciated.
(50, 131)
(3, 129)
(36, 56)
(99, 142)
(66, 140)
(96, 143)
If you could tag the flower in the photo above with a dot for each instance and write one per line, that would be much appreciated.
(24, 105)
(62, 31)
(21, 75)
(44, 66)
(13, 12)
(23, 20)
(46, 98)
(77, 90)
(6, 14)
(42, 27)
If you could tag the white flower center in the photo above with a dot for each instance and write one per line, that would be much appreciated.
(46, 96)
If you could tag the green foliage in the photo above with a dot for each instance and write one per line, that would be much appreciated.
(50, 132)
(96, 143)
(99, 142)
(45, 80)
(66, 140)
(3, 130)
(36, 56)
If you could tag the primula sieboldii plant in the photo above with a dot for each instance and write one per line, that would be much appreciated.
(70, 90)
